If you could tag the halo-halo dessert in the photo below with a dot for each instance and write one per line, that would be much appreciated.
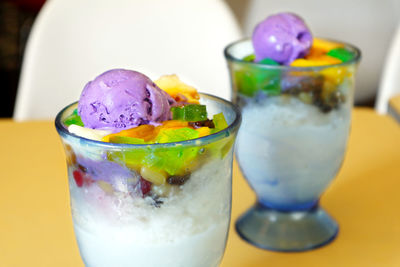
(149, 166)
(295, 92)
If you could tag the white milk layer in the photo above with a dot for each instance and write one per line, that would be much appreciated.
(290, 151)
(116, 247)
(188, 229)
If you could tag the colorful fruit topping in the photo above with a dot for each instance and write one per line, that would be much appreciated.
(189, 118)
(284, 39)
(160, 169)
(321, 53)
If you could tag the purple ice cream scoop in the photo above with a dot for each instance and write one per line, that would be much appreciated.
(282, 37)
(121, 99)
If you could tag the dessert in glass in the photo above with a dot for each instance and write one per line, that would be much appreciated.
(150, 169)
(295, 93)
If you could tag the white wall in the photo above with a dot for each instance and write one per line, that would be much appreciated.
(368, 24)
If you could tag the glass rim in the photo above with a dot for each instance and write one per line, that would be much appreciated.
(355, 60)
(232, 127)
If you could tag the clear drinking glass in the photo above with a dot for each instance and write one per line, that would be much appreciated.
(290, 146)
(184, 222)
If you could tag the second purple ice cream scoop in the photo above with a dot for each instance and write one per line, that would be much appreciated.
(121, 99)
(282, 37)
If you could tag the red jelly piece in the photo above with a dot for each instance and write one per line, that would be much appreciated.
(78, 178)
(145, 186)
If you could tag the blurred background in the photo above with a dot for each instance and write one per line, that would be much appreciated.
(16, 18)
(368, 24)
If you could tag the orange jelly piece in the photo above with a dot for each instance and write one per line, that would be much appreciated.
(176, 124)
(315, 52)
(150, 132)
(145, 132)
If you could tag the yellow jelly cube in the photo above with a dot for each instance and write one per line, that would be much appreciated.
(177, 89)
(203, 131)
(157, 177)
(325, 45)
(165, 190)
(105, 186)
(335, 74)
(322, 60)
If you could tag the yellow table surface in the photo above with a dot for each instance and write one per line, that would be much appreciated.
(394, 103)
(36, 225)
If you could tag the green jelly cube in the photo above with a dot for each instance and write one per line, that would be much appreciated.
(341, 53)
(133, 157)
(177, 135)
(249, 58)
(195, 112)
(191, 112)
(74, 118)
(178, 113)
(173, 160)
(250, 79)
(245, 83)
(219, 122)
(268, 61)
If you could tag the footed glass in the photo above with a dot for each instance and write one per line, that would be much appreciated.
(152, 205)
(291, 145)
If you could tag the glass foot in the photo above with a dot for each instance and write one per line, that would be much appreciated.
(287, 230)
